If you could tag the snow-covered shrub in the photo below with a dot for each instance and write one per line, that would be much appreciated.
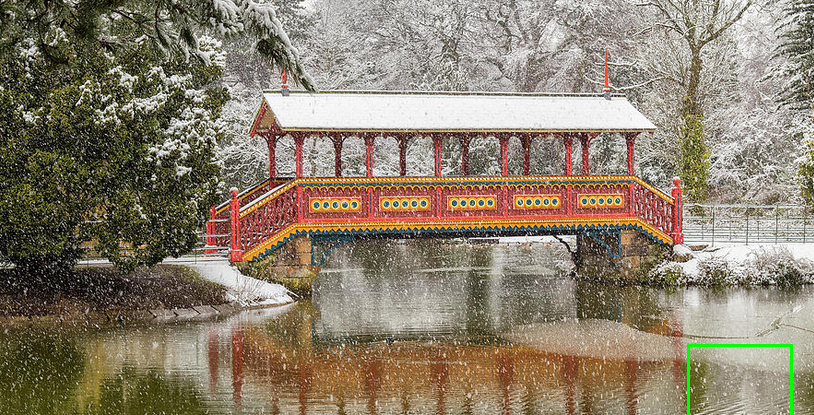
(777, 266)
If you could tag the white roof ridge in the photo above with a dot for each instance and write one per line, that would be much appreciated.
(446, 111)
(446, 93)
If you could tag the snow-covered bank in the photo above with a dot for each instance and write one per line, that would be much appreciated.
(762, 264)
(243, 289)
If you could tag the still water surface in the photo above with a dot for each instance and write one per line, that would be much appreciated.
(430, 327)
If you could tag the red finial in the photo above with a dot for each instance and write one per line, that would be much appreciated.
(606, 90)
(284, 90)
(607, 84)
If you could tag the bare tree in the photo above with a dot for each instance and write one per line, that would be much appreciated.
(698, 23)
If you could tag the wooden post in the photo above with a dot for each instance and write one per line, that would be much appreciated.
(569, 148)
(678, 217)
(237, 367)
(271, 140)
(436, 141)
(630, 138)
(465, 155)
(338, 155)
(585, 143)
(210, 230)
(235, 253)
(299, 139)
(526, 154)
(504, 154)
(402, 154)
(369, 138)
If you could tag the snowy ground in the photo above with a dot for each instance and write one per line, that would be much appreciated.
(245, 290)
(754, 264)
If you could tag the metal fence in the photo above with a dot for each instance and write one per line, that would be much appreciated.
(747, 224)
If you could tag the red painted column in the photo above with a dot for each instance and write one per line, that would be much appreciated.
(402, 155)
(299, 139)
(237, 367)
(504, 154)
(465, 155)
(338, 155)
(678, 216)
(569, 148)
(212, 346)
(369, 154)
(505, 376)
(235, 253)
(271, 140)
(630, 138)
(526, 154)
(585, 143)
(436, 141)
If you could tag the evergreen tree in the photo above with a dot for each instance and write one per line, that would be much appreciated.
(798, 50)
(109, 116)
(798, 68)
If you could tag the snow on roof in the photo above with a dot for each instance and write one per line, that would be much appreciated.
(446, 112)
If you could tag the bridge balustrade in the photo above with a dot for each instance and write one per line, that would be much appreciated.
(463, 206)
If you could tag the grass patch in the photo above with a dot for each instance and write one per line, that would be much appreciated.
(105, 290)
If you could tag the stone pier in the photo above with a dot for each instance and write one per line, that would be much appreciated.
(626, 255)
(289, 265)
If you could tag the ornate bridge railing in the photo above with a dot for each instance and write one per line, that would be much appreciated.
(444, 206)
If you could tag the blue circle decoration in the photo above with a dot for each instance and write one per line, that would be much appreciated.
(345, 204)
(481, 203)
(601, 201)
(414, 203)
(472, 202)
(546, 201)
(490, 202)
(618, 200)
(555, 201)
(316, 205)
(325, 205)
(454, 203)
(335, 205)
(386, 204)
(584, 201)
(423, 203)
(537, 201)
(395, 203)
(593, 201)
(354, 204)
(519, 201)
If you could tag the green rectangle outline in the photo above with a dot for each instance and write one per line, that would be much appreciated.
(791, 365)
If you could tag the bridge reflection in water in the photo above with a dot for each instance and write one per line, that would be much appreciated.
(437, 342)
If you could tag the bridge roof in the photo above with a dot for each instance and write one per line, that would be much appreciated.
(379, 111)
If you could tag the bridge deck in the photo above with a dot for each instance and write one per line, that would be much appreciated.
(272, 213)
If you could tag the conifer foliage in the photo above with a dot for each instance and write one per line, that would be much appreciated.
(797, 68)
(109, 117)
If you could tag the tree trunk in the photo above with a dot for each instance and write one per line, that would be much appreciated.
(694, 164)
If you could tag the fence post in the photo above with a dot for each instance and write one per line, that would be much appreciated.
(776, 223)
(235, 253)
(713, 226)
(678, 219)
(805, 220)
(747, 226)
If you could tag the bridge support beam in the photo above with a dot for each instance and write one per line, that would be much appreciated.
(623, 255)
(290, 266)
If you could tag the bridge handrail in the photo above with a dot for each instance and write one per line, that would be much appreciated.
(280, 206)
(250, 192)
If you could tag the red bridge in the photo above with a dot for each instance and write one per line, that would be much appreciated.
(263, 218)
